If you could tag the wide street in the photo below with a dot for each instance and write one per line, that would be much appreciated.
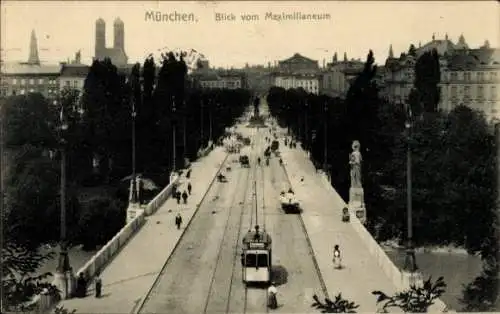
(204, 274)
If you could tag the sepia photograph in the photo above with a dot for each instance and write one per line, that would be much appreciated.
(211, 157)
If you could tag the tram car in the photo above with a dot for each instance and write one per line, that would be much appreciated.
(256, 257)
(289, 202)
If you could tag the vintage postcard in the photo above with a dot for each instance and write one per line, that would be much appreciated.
(249, 156)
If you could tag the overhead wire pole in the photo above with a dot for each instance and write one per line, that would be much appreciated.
(410, 264)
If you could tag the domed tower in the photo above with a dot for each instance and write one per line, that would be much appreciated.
(119, 34)
(100, 37)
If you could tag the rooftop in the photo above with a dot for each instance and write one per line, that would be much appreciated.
(78, 70)
(19, 68)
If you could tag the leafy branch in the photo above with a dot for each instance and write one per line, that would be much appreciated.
(338, 305)
(416, 299)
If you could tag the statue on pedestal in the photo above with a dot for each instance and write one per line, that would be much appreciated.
(355, 160)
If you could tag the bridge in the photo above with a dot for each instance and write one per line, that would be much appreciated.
(151, 266)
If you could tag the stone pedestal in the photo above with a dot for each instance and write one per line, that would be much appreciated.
(357, 204)
(132, 211)
(409, 278)
(65, 283)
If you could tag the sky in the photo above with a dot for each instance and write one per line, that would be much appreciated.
(354, 27)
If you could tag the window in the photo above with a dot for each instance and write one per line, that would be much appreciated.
(453, 91)
(32, 81)
(23, 81)
(14, 81)
(66, 83)
(467, 76)
(31, 90)
(454, 76)
(480, 92)
(75, 84)
(22, 92)
(493, 90)
(40, 81)
(256, 260)
(466, 91)
(493, 76)
(480, 76)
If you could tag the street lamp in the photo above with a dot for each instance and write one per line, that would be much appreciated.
(134, 174)
(325, 137)
(64, 277)
(410, 264)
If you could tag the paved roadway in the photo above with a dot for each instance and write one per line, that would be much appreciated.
(204, 274)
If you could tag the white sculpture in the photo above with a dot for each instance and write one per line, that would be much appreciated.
(355, 160)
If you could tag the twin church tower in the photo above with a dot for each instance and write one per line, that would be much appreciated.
(117, 52)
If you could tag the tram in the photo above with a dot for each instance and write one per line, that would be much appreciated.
(256, 257)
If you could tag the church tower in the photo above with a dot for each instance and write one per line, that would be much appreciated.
(391, 52)
(119, 34)
(33, 57)
(100, 37)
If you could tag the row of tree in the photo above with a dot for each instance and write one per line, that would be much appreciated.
(453, 158)
(98, 145)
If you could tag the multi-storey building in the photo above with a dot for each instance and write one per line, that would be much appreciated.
(338, 76)
(30, 77)
(472, 78)
(298, 71)
(400, 72)
(73, 74)
(212, 79)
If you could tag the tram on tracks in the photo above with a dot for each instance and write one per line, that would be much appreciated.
(256, 257)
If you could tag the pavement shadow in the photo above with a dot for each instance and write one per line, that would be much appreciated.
(279, 275)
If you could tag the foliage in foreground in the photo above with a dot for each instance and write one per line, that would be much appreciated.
(338, 305)
(413, 300)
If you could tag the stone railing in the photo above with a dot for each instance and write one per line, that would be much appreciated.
(159, 199)
(45, 301)
(399, 279)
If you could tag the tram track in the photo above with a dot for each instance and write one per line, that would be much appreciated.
(308, 240)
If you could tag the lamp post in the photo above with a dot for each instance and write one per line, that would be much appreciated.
(64, 277)
(201, 121)
(184, 137)
(306, 126)
(174, 144)
(134, 174)
(325, 137)
(410, 265)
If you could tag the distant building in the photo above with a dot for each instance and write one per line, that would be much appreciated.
(219, 79)
(297, 72)
(73, 75)
(338, 76)
(30, 77)
(117, 53)
(400, 72)
(472, 78)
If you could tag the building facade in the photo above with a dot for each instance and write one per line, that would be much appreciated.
(21, 78)
(73, 76)
(472, 78)
(338, 76)
(298, 72)
(213, 79)
(117, 52)
(399, 73)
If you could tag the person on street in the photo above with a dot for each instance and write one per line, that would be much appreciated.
(188, 174)
(184, 197)
(178, 220)
(81, 286)
(178, 197)
(98, 286)
(258, 160)
(272, 293)
(189, 188)
(337, 259)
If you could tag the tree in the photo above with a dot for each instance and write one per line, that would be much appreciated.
(482, 294)
(339, 305)
(415, 300)
(427, 78)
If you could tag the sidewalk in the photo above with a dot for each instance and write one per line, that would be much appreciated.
(132, 272)
(322, 218)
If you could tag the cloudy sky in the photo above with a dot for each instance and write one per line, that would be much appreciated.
(354, 27)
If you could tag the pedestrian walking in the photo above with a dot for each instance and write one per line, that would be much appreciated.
(178, 197)
(188, 174)
(189, 188)
(98, 286)
(337, 259)
(184, 197)
(81, 286)
(178, 220)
